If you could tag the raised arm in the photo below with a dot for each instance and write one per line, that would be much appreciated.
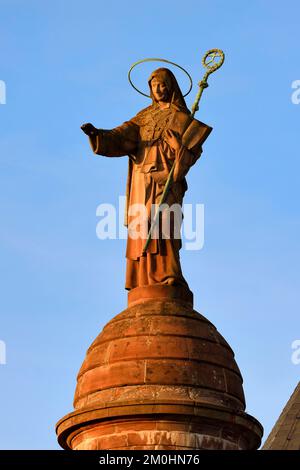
(117, 142)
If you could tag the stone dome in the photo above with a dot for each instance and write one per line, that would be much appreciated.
(159, 376)
(157, 350)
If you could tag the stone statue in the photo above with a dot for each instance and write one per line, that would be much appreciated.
(158, 136)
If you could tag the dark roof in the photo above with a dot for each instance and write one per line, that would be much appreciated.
(286, 433)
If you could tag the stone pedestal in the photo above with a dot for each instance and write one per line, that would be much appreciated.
(159, 376)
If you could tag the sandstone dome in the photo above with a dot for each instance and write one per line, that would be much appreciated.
(159, 376)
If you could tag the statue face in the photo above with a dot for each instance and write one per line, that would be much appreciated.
(159, 90)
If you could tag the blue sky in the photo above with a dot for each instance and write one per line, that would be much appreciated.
(65, 63)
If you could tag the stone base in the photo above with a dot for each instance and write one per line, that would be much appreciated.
(167, 426)
(160, 292)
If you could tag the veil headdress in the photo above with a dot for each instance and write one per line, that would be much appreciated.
(165, 75)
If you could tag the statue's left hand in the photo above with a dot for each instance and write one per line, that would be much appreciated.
(173, 139)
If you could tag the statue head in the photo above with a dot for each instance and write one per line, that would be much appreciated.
(164, 87)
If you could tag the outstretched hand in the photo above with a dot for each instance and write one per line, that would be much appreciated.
(89, 129)
(173, 139)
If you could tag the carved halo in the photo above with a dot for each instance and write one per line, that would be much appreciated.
(158, 60)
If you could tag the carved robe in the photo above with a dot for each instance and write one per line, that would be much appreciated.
(150, 160)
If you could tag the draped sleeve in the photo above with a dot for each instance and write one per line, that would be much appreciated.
(118, 142)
